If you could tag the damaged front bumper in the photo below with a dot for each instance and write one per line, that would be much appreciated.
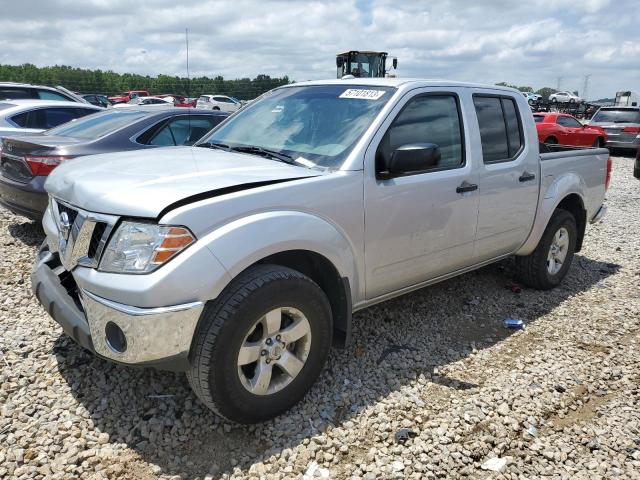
(159, 337)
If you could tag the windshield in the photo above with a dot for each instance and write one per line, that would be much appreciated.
(318, 124)
(617, 116)
(96, 126)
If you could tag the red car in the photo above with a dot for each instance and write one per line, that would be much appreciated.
(179, 100)
(565, 129)
(128, 96)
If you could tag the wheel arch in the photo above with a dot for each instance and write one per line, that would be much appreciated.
(573, 204)
(565, 193)
(323, 253)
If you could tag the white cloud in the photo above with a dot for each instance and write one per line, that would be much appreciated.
(526, 43)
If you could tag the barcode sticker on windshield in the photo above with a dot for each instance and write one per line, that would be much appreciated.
(362, 94)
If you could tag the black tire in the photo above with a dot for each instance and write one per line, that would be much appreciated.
(551, 141)
(530, 101)
(599, 142)
(572, 100)
(532, 270)
(214, 372)
(216, 108)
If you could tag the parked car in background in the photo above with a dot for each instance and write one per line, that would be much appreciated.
(218, 102)
(178, 100)
(565, 129)
(26, 161)
(19, 117)
(565, 97)
(26, 91)
(532, 97)
(152, 102)
(127, 96)
(96, 99)
(622, 125)
(242, 261)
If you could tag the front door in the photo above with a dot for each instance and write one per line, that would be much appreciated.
(509, 177)
(421, 225)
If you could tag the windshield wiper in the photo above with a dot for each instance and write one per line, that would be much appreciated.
(220, 146)
(265, 152)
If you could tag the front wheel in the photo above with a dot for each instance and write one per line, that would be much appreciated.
(548, 264)
(261, 345)
(599, 142)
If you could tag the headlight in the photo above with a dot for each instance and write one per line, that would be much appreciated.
(143, 247)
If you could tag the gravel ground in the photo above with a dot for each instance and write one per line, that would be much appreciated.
(558, 399)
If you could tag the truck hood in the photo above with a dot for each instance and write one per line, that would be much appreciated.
(143, 183)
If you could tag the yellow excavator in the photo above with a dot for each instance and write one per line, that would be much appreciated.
(363, 64)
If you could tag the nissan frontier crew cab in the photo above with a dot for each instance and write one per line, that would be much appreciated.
(240, 261)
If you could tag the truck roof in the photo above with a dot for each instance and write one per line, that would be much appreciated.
(398, 82)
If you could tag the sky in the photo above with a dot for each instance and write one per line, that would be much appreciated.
(537, 43)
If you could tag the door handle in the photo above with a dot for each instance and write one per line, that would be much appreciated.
(466, 187)
(526, 176)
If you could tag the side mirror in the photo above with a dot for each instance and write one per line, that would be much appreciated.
(339, 62)
(395, 63)
(413, 158)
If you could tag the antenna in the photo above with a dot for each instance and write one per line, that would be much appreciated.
(585, 88)
(186, 35)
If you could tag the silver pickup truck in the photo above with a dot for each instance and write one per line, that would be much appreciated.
(241, 260)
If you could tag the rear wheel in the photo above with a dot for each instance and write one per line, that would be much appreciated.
(216, 108)
(548, 264)
(551, 141)
(261, 345)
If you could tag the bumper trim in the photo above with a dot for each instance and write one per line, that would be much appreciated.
(137, 311)
(599, 214)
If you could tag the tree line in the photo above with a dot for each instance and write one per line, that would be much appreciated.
(111, 83)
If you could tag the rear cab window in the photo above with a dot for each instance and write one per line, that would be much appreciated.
(500, 127)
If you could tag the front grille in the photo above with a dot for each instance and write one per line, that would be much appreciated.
(96, 237)
(82, 235)
(72, 213)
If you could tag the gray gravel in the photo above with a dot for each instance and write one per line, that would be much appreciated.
(558, 399)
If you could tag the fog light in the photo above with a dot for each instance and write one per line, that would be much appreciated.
(116, 340)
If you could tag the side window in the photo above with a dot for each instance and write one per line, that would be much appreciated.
(514, 135)
(22, 119)
(182, 131)
(426, 119)
(569, 122)
(500, 130)
(10, 93)
(51, 95)
(52, 117)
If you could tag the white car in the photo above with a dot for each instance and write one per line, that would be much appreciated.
(22, 117)
(152, 102)
(565, 97)
(218, 102)
(531, 97)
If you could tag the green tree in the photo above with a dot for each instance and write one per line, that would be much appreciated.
(111, 83)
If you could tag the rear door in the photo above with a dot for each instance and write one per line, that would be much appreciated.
(420, 225)
(509, 175)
